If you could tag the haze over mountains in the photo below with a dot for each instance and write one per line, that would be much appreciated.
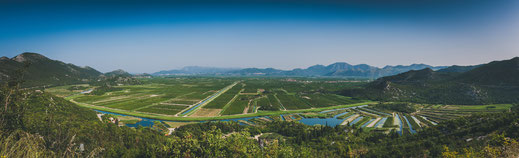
(339, 69)
(45, 71)
(41, 71)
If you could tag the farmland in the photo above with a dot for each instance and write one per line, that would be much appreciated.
(192, 97)
(212, 98)
(373, 118)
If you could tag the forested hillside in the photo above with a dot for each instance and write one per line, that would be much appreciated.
(495, 82)
(38, 70)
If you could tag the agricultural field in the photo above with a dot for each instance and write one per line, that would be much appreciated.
(163, 109)
(292, 102)
(371, 118)
(210, 96)
(224, 99)
(65, 91)
(237, 106)
(185, 97)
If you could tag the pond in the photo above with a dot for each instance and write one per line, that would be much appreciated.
(332, 122)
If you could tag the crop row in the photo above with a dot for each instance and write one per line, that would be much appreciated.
(237, 106)
(164, 109)
(292, 102)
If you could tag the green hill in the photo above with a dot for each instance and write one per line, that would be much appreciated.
(41, 70)
(495, 82)
(118, 72)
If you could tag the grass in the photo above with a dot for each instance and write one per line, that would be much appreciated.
(163, 109)
(484, 107)
(389, 122)
(203, 112)
(128, 119)
(63, 91)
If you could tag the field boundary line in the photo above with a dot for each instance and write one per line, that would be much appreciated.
(147, 106)
(202, 103)
(230, 102)
(279, 101)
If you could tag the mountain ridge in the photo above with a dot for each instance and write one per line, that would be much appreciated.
(490, 83)
(338, 69)
(40, 70)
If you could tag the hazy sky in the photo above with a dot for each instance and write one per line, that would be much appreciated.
(149, 36)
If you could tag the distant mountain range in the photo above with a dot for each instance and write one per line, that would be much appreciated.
(195, 70)
(41, 70)
(494, 82)
(337, 69)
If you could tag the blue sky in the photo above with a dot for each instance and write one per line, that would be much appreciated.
(150, 36)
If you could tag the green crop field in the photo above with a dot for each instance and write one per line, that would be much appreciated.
(485, 107)
(292, 102)
(223, 99)
(324, 100)
(177, 96)
(163, 109)
(265, 104)
(238, 106)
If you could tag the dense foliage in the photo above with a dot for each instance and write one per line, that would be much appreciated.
(42, 71)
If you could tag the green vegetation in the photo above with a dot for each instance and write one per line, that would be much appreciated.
(38, 124)
(324, 100)
(237, 106)
(492, 83)
(104, 89)
(223, 99)
(292, 102)
(398, 107)
(163, 109)
(69, 90)
(389, 122)
(265, 104)
(157, 97)
(485, 107)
